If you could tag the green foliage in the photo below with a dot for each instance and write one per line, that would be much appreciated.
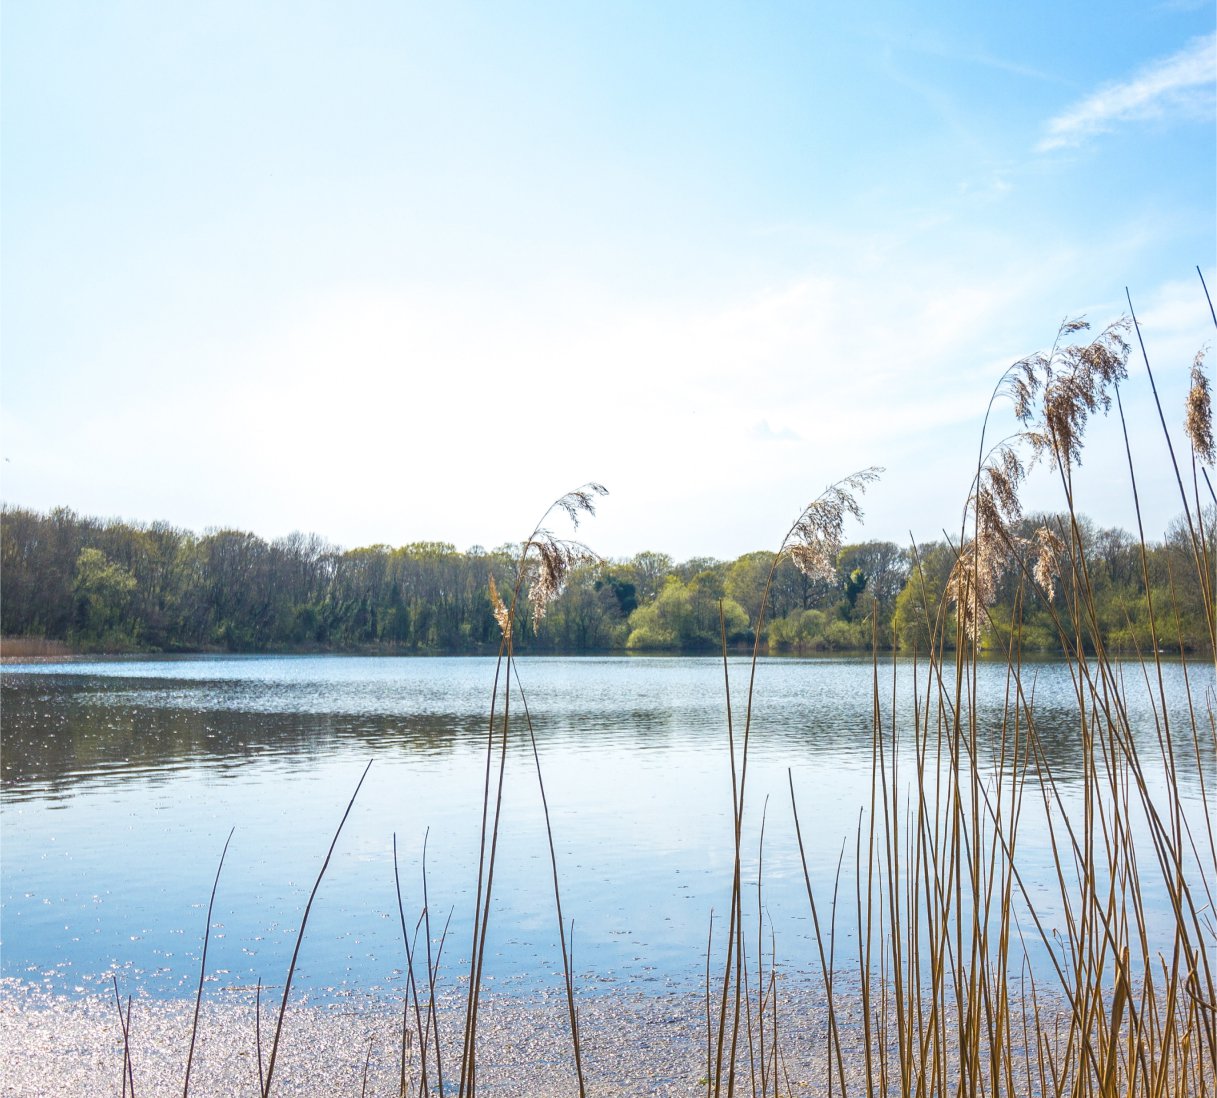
(745, 581)
(799, 632)
(117, 586)
(104, 593)
(623, 591)
(685, 616)
(855, 584)
(920, 600)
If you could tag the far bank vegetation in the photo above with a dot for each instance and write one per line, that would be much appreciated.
(97, 585)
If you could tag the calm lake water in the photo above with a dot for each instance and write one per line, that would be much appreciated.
(122, 779)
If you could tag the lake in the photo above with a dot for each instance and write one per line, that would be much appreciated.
(123, 777)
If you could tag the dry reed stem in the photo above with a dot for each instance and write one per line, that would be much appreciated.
(127, 1074)
(198, 998)
(544, 564)
(291, 968)
(812, 543)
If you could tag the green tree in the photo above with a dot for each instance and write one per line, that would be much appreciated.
(647, 570)
(104, 591)
(885, 566)
(918, 604)
(686, 616)
(745, 582)
(855, 584)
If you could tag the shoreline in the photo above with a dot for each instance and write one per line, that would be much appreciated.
(632, 1042)
(641, 1043)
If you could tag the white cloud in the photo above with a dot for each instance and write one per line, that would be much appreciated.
(1181, 84)
(762, 432)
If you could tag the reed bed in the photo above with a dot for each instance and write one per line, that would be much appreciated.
(943, 970)
(32, 648)
(944, 923)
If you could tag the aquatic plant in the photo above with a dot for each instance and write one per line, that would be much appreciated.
(545, 561)
(943, 917)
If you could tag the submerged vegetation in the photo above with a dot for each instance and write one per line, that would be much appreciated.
(932, 924)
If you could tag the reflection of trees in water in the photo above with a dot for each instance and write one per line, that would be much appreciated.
(57, 736)
(1060, 743)
(64, 729)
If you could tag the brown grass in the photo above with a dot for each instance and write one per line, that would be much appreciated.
(25, 648)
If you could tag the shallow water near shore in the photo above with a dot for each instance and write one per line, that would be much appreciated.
(122, 779)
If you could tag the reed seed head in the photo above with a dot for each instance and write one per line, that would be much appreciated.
(554, 560)
(996, 507)
(814, 541)
(972, 585)
(501, 613)
(1054, 393)
(555, 556)
(1076, 382)
(1048, 561)
(1199, 421)
(1000, 482)
(582, 501)
(1023, 384)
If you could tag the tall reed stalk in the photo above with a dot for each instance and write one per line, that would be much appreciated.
(812, 543)
(545, 561)
(291, 968)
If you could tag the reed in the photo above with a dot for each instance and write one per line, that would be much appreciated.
(545, 561)
(426, 1027)
(291, 968)
(945, 921)
(14, 648)
(198, 997)
(124, 1022)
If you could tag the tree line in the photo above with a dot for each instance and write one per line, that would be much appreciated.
(109, 585)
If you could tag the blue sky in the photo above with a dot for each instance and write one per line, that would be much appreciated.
(391, 272)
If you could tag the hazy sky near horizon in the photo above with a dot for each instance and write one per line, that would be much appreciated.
(388, 271)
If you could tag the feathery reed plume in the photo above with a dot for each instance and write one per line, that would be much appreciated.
(546, 571)
(1199, 423)
(501, 614)
(972, 584)
(580, 502)
(814, 540)
(1054, 393)
(1075, 382)
(554, 561)
(1048, 561)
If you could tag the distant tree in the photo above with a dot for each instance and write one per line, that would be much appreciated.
(686, 616)
(885, 567)
(647, 570)
(746, 579)
(918, 604)
(855, 584)
(624, 593)
(104, 592)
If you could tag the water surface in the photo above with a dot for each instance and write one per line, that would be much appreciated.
(123, 778)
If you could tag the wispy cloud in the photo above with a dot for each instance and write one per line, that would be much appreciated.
(762, 432)
(1181, 84)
